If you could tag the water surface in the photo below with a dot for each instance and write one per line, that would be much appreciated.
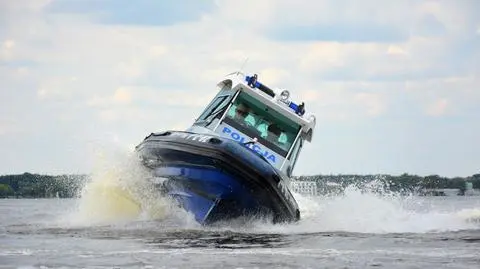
(356, 230)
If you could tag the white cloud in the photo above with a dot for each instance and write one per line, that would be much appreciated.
(158, 50)
(8, 126)
(122, 96)
(8, 44)
(7, 50)
(257, 14)
(374, 104)
(455, 16)
(57, 87)
(438, 107)
(308, 12)
(27, 7)
(129, 70)
(129, 80)
(275, 76)
(396, 50)
(324, 56)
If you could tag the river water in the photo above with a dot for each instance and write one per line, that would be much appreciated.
(117, 222)
(356, 230)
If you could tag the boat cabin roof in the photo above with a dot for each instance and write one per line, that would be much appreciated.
(278, 101)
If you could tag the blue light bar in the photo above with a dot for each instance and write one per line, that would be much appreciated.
(293, 106)
(253, 82)
(299, 109)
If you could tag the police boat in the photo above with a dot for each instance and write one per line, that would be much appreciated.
(237, 158)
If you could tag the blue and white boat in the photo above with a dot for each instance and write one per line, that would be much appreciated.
(238, 156)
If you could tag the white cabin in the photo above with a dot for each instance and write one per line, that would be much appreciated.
(246, 110)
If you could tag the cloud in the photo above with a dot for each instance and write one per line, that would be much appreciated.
(6, 50)
(342, 21)
(30, 5)
(74, 71)
(275, 76)
(130, 70)
(142, 12)
(57, 87)
(438, 107)
(396, 50)
(374, 103)
(7, 126)
(122, 96)
(451, 96)
(339, 33)
(8, 44)
(429, 25)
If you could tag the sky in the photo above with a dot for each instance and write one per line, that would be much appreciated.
(394, 84)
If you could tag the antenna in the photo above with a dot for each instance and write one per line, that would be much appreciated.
(243, 65)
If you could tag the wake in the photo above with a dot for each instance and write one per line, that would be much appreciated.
(118, 194)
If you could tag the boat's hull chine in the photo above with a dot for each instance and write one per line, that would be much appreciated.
(209, 194)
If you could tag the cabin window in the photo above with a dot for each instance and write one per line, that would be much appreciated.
(256, 119)
(294, 154)
(212, 108)
(216, 107)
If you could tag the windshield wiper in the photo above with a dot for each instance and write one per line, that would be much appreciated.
(215, 113)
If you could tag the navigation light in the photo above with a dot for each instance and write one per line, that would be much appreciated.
(284, 95)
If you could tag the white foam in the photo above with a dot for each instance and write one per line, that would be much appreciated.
(372, 212)
(118, 192)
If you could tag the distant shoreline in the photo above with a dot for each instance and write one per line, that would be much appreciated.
(35, 186)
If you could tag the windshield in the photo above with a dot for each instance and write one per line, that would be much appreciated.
(256, 119)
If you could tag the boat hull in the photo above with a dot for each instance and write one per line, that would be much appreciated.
(216, 178)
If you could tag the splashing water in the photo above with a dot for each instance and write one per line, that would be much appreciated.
(375, 212)
(119, 192)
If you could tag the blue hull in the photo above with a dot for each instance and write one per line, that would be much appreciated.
(217, 179)
(205, 193)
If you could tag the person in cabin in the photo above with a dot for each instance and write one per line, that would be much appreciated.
(274, 135)
(242, 115)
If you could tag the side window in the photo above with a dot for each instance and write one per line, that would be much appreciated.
(219, 110)
(297, 147)
(214, 105)
(214, 109)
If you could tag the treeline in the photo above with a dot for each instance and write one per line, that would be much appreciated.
(404, 183)
(66, 186)
(40, 186)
